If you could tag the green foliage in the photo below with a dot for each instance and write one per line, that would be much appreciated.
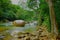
(57, 11)
(7, 10)
(44, 15)
(26, 15)
(32, 4)
(12, 12)
(42, 11)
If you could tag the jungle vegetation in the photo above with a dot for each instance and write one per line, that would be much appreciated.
(44, 11)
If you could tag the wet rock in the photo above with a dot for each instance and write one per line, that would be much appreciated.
(27, 38)
(20, 23)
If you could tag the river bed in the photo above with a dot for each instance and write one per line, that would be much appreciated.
(9, 28)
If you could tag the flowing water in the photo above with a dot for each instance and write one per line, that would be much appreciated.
(12, 29)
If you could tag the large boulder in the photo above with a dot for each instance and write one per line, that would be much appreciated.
(20, 23)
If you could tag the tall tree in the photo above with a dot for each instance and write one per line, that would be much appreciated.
(52, 18)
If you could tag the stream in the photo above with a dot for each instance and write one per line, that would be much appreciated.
(12, 29)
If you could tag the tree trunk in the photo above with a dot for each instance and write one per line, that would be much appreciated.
(52, 18)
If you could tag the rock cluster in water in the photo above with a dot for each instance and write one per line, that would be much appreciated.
(41, 34)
